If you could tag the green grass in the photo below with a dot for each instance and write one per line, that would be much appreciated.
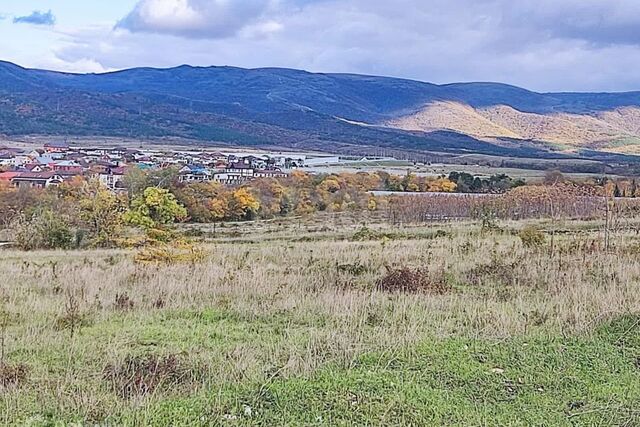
(546, 381)
(275, 333)
(539, 380)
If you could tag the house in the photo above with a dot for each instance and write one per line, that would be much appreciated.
(33, 168)
(42, 160)
(194, 173)
(7, 159)
(36, 179)
(112, 178)
(270, 173)
(8, 176)
(68, 166)
(56, 147)
(254, 162)
(244, 170)
(227, 178)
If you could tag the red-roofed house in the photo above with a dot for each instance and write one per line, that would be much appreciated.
(56, 147)
(8, 176)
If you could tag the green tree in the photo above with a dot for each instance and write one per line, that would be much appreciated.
(102, 212)
(44, 229)
(155, 208)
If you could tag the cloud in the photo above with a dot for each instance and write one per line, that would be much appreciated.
(36, 18)
(193, 18)
(594, 21)
(544, 45)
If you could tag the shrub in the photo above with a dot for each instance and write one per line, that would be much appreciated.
(44, 230)
(531, 237)
(73, 319)
(142, 375)
(366, 234)
(13, 375)
(165, 254)
(411, 281)
(488, 218)
(496, 272)
(123, 302)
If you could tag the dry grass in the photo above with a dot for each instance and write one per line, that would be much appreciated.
(12, 375)
(407, 280)
(258, 309)
(505, 121)
(142, 375)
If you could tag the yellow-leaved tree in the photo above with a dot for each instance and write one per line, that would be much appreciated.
(243, 204)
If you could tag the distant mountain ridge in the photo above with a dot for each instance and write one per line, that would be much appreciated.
(285, 107)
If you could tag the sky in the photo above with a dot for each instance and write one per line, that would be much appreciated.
(543, 45)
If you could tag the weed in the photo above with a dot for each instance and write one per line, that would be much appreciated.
(531, 237)
(123, 302)
(142, 375)
(411, 281)
(72, 319)
(160, 301)
(496, 272)
(13, 375)
(165, 254)
(354, 269)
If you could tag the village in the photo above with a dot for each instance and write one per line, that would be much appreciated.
(57, 162)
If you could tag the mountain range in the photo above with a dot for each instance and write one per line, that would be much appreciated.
(332, 112)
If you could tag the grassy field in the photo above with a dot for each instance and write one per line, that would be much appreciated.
(297, 323)
(434, 170)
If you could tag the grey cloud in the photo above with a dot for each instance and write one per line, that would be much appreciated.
(200, 19)
(36, 18)
(594, 21)
(543, 45)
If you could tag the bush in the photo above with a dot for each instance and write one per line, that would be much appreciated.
(12, 375)
(44, 230)
(165, 254)
(142, 375)
(411, 281)
(531, 237)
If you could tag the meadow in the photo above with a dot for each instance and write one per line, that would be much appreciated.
(330, 320)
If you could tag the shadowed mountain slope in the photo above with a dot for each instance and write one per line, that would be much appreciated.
(273, 106)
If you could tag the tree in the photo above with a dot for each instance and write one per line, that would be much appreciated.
(204, 201)
(16, 202)
(155, 208)
(442, 185)
(135, 180)
(44, 229)
(102, 212)
(243, 204)
(304, 206)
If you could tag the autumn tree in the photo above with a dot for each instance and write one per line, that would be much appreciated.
(102, 211)
(204, 201)
(272, 195)
(243, 204)
(136, 180)
(156, 208)
(15, 202)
